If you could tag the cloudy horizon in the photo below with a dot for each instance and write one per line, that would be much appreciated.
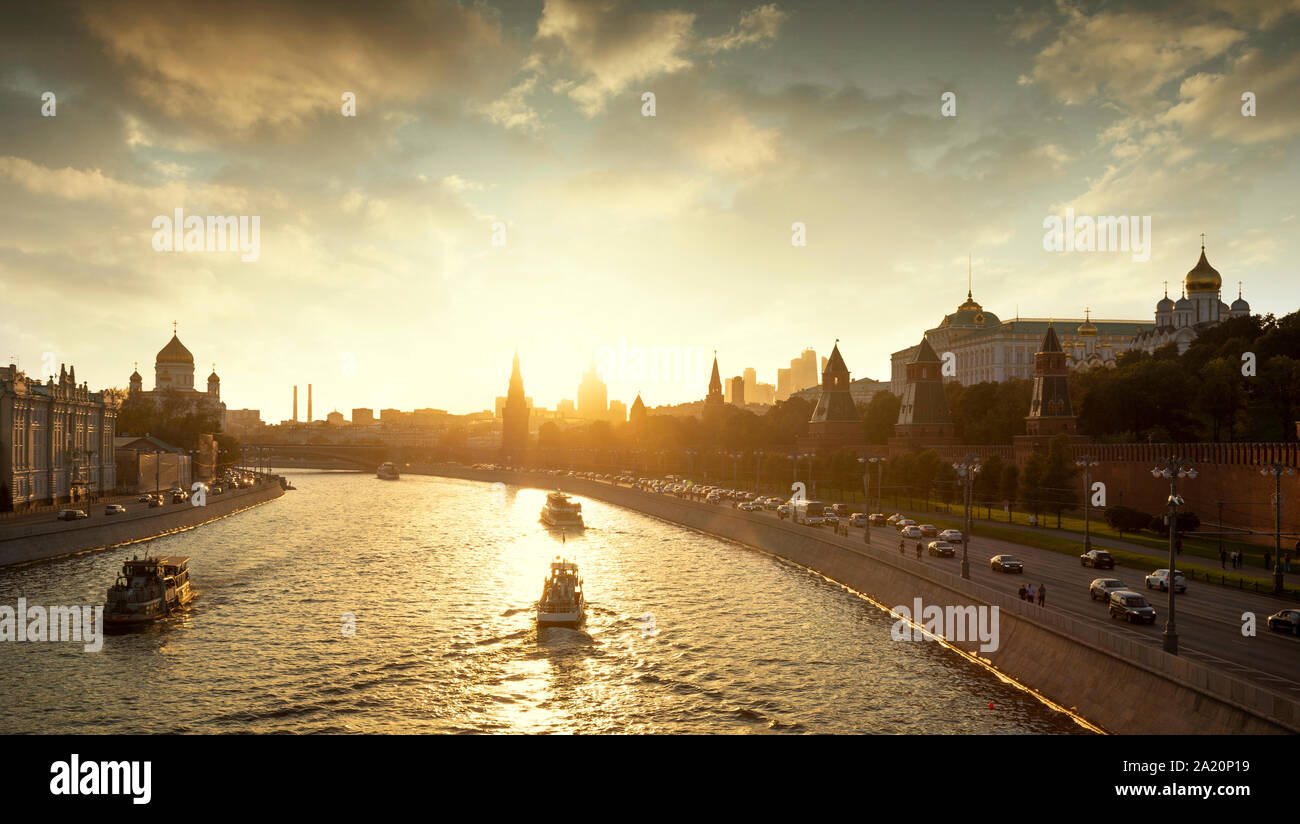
(502, 187)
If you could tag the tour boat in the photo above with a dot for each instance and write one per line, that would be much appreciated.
(147, 589)
(561, 604)
(388, 471)
(560, 511)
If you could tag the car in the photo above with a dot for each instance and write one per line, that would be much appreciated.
(878, 519)
(1160, 580)
(114, 509)
(1287, 620)
(893, 520)
(179, 496)
(1126, 603)
(144, 499)
(1101, 588)
(929, 531)
(73, 514)
(1006, 563)
(905, 523)
(1097, 559)
(941, 549)
(784, 511)
(857, 519)
(911, 532)
(952, 536)
(829, 517)
(155, 501)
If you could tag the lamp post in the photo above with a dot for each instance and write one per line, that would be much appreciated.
(967, 468)
(1087, 462)
(880, 480)
(1172, 468)
(866, 498)
(1277, 469)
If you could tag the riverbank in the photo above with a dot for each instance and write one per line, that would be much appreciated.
(1114, 681)
(27, 542)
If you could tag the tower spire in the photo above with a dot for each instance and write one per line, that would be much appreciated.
(969, 276)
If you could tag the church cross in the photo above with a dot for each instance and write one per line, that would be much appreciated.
(1202, 241)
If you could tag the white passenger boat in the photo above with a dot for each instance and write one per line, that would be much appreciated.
(560, 511)
(561, 604)
(388, 471)
(147, 589)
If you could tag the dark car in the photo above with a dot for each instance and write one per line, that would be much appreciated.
(155, 501)
(929, 531)
(1128, 604)
(73, 514)
(1288, 620)
(879, 520)
(1006, 563)
(942, 549)
(1097, 559)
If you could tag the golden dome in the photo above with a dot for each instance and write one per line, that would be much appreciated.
(175, 352)
(1204, 278)
(1087, 329)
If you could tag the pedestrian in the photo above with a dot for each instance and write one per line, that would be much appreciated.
(1266, 559)
(901, 550)
(918, 549)
(1223, 559)
(1022, 592)
(1029, 593)
(1042, 594)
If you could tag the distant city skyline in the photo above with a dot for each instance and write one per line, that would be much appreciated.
(502, 184)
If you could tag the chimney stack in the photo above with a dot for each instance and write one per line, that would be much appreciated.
(295, 404)
(309, 403)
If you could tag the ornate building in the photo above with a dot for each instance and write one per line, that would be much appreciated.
(514, 416)
(56, 440)
(174, 375)
(1199, 308)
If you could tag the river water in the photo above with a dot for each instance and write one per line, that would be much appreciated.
(685, 633)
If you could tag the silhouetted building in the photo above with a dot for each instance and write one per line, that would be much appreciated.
(174, 377)
(637, 415)
(362, 417)
(835, 422)
(514, 417)
(738, 391)
(923, 417)
(714, 398)
(1050, 411)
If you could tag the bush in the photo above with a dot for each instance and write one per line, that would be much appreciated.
(1187, 522)
(1126, 519)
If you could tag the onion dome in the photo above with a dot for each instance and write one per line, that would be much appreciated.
(1165, 304)
(1087, 329)
(1204, 277)
(135, 376)
(213, 377)
(1184, 303)
(175, 352)
(1240, 304)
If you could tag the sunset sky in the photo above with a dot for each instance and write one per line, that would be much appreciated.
(378, 280)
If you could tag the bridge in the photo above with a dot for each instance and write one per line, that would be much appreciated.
(314, 455)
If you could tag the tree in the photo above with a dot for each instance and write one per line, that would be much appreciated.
(880, 416)
(1032, 494)
(1222, 396)
(1058, 478)
(1126, 519)
(986, 483)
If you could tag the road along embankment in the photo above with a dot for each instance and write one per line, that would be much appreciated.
(1115, 682)
(36, 542)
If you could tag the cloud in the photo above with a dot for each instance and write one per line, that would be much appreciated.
(759, 25)
(1210, 105)
(235, 66)
(1125, 56)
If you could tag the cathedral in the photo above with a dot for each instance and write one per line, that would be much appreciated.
(174, 372)
(1200, 308)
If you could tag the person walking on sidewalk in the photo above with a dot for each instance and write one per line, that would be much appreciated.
(901, 550)
(1223, 559)
(1042, 594)
(1022, 592)
(1029, 593)
(918, 549)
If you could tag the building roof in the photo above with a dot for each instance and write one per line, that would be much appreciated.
(175, 352)
(147, 443)
(1203, 277)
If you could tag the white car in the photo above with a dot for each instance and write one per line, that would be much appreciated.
(114, 509)
(858, 519)
(911, 531)
(952, 536)
(1160, 580)
(905, 523)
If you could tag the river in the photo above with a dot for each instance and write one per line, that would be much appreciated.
(685, 633)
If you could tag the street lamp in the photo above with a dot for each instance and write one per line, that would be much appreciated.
(1173, 468)
(1087, 462)
(866, 498)
(880, 480)
(1277, 470)
(967, 468)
